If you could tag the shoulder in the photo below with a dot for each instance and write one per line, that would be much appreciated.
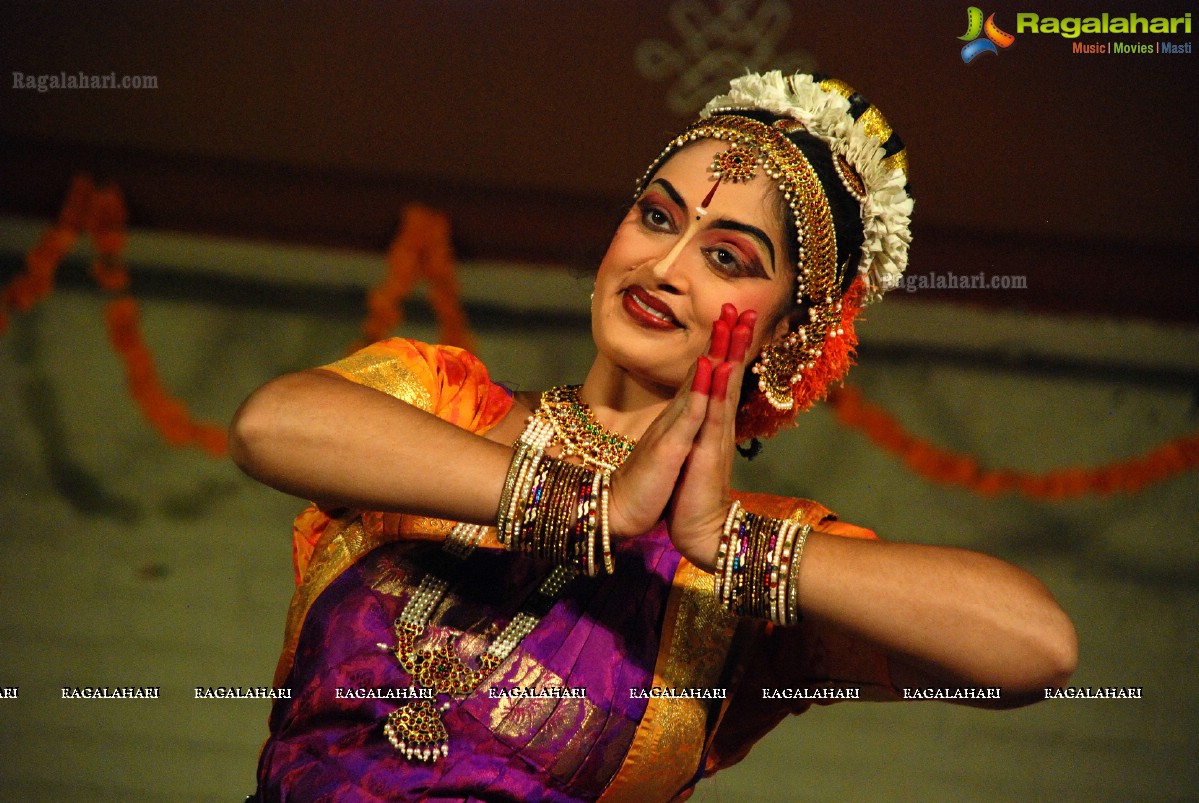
(407, 369)
(447, 381)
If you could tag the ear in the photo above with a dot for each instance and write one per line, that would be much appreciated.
(786, 324)
(781, 329)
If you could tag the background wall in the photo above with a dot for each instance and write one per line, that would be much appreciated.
(276, 129)
(528, 122)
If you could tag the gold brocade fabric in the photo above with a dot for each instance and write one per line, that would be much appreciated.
(568, 726)
(344, 541)
(445, 381)
(697, 638)
(387, 374)
(669, 743)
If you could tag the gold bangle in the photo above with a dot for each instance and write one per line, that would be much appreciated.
(735, 570)
(722, 550)
(518, 458)
(795, 616)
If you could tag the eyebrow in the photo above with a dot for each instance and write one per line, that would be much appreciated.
(724, 222)
(745, 228)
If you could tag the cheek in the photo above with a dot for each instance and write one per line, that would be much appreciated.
(772, 304)
(621, 256)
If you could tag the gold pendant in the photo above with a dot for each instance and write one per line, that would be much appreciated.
(416, 730)
(436, 668)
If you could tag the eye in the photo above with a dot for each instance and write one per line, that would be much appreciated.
(655, 218)
(725, 260)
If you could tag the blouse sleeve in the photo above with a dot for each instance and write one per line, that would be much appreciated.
(443, 380)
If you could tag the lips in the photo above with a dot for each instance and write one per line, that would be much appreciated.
(648, 310)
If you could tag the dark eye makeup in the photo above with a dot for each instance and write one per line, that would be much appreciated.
(657, 215)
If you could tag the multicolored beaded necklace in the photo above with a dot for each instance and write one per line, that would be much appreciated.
(576, 429)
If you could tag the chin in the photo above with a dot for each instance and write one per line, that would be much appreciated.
(658, 358)
(647, 366)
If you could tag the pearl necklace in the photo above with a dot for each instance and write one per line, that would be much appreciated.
(416, 729)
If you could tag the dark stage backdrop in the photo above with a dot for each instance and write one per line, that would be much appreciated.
(528, 122)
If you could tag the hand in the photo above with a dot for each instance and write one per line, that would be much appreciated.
(643, 485)
(702, 495)
(683, 462)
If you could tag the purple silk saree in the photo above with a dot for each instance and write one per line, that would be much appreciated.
(600, 636)
(608, 636)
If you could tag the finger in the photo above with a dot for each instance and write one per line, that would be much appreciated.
(720, 380)
(685, 411)
(702, 382)
(739, 343)
(742, 334)
(728, 314)
(719, 349)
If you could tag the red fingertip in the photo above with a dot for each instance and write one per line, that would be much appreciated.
(702, 383)
(742, 335)
(739, 343)
(728, 314)
(719, 350)
(720, 380)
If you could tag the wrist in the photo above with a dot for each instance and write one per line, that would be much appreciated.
(757, 566)
(556, 510)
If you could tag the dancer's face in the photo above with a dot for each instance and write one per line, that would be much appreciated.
(666, 274)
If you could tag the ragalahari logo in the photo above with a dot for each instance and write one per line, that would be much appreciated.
(995, 38)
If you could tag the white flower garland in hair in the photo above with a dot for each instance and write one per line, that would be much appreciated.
(886, 209)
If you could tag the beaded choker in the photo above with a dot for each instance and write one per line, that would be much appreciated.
(576, 429)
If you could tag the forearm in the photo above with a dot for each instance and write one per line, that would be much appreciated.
(948, 615)
(321, 437)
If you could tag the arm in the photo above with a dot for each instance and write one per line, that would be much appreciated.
(945, 616)
(320, 436)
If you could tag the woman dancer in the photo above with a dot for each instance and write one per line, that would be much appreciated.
(558, 596)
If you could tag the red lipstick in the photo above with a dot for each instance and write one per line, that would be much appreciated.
(647, 310)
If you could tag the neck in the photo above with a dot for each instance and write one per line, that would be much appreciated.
(622, 402)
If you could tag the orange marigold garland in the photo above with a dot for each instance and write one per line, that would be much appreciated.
(107, 226)
(41, 263)
(442, 273)
(107, 223)
(951, 468)
(165, 413)
(403, 270)
(422, 247)
(101, 212)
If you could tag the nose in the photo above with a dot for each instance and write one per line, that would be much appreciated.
(669, 270)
